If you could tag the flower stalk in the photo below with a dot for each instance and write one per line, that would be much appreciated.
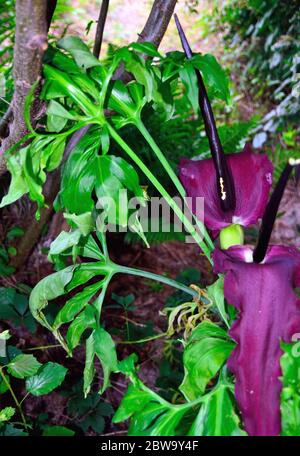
(225, 183)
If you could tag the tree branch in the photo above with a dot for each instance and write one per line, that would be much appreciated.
(158, 21)
(100, 28)
(153, 31)
(33, 18)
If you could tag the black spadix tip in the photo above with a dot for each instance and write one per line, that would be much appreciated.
(184, 41)
(271, 211)
(225, 184)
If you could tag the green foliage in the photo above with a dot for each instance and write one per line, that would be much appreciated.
(210, 414)
(216, 293)
(290, 395)
(186, 276)
(87, 412)
(6, 414)
(206, 351)
(7, 250)
(39, 379)
(262, 38)
(77, 91)
(83, 313)
(80, 91)
(48, 377)
(14, 307)
(23, 366)
(170, 370)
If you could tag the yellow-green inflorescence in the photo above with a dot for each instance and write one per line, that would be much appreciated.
(231, 235)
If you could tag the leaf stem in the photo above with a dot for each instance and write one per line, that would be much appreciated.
(18, 405)
(174, 178)
(141, 341)
(143, 130)
(43, 347)
(187, 224)
(159, 278)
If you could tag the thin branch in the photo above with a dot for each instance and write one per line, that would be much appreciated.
(5, 121)
(158, 21)
(100, 28)
(153, 31)
(33, 19)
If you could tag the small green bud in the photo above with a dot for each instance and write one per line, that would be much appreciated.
(231, 235)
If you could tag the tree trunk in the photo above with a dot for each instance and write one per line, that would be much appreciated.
(30, 45)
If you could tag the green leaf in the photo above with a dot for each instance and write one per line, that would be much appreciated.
(55, 124)
(49, 288)
(78, 178)
(89, 249)
(121, 102)
(49, 377)
(189, 79)
(77, 303)
(23, 366)
(6, 414)
(3, 385)
(18, 185)
(86, 319)
(127, 365)
(134, 400)
(85, 272)
(34, 177)
(89, 369)
(205, 353)
(14, 308)
(5, 335)
(105, 140)
(105, 350)
(64, 241)
(54, 153)
(71, 90)
(213, 74)
(140, 70)
(114, 174)
(84, 222)
(216, 294)
(151, 415)
(56, 109)
(79, 51)
(145, 48)
(217, 416)
(50, 431)
(290, 395)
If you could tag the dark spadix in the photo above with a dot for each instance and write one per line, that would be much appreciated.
(270, 213)
(225, 182)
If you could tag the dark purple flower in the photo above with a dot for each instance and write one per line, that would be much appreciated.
(252, 176)
(235, 187)
(269, 312)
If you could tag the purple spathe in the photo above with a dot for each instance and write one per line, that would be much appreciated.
(252, 177)
(269, 311)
